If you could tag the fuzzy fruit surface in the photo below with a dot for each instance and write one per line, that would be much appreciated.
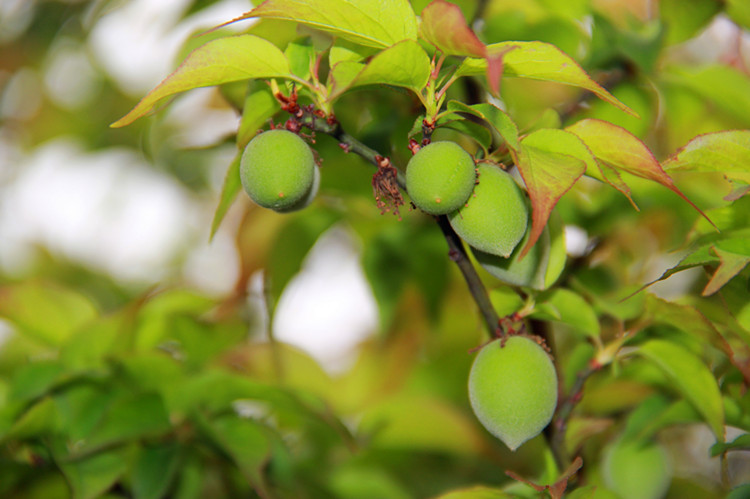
(513, 389)
(495, 218)
(541, 266)
(440, 177)
(277, 170)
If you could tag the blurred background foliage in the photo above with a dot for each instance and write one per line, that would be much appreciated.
(325, 353)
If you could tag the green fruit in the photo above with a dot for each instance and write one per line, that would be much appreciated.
(495, 218)
(636, 469)
(440, 177)
(277, 170)
(541, 266)
(513, 389)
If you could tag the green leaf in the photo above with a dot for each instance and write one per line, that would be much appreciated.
(731, 254)
(631, 155)
(233, 58)
(550, 162)
(128, 418)
(232, 185)
(373, 23)
(260, 105)
(685, 19)
(301, 56)
(739, 12)
(475, 492)
(244, 441)
(721, 85)
(40, 419)
(541, 61)
(568, 307)
(35, 379)
(725, 152)
(742, 442)
(691, 378)
(405, 64)
(495, 117)
(155, 469)
(44, 311)
(684, 318)
(91, 477)
(292, 244)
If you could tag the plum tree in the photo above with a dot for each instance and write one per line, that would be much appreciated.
(440, 177)
(278, 171)
(495, 218)
(513, 389)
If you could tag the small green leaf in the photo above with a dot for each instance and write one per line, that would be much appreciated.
(260, 105)
(155, 469)
(685, 19)
(568, 307)
(232, 185)
(740, 443)
(40, 419)
(44, 311)
(684, 318)
(92, 476)
(405, 64)
(128, 418)
(691, 378)
(475, 492)
(243, 440)
(725, 152)
(739, 12)
(541, 61)
(550, 162)
(373, 23)
(34, 380)
(498, 119)
(233, 58)
(301, 56)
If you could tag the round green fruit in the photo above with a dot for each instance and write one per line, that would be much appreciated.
(495, 218)
(513, 389)
(541, 266)
(277, 170)
(440, 177)
(636, 469)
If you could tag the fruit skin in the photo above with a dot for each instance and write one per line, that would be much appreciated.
(277, 170)
(495, 217)
(440, 177)
(541, 266)
(513, 389)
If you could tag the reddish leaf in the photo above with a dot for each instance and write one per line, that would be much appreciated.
(541, 61)
(727, 152)
(731, 265)
(550, 162)
(630, 154)
(444, 26)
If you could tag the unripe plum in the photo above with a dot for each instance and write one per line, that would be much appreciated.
(495, 217)
(541, 266)
(278, 170)
(513, 389)
(440, 177)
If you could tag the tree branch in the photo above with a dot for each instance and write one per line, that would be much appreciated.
(457, 251)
